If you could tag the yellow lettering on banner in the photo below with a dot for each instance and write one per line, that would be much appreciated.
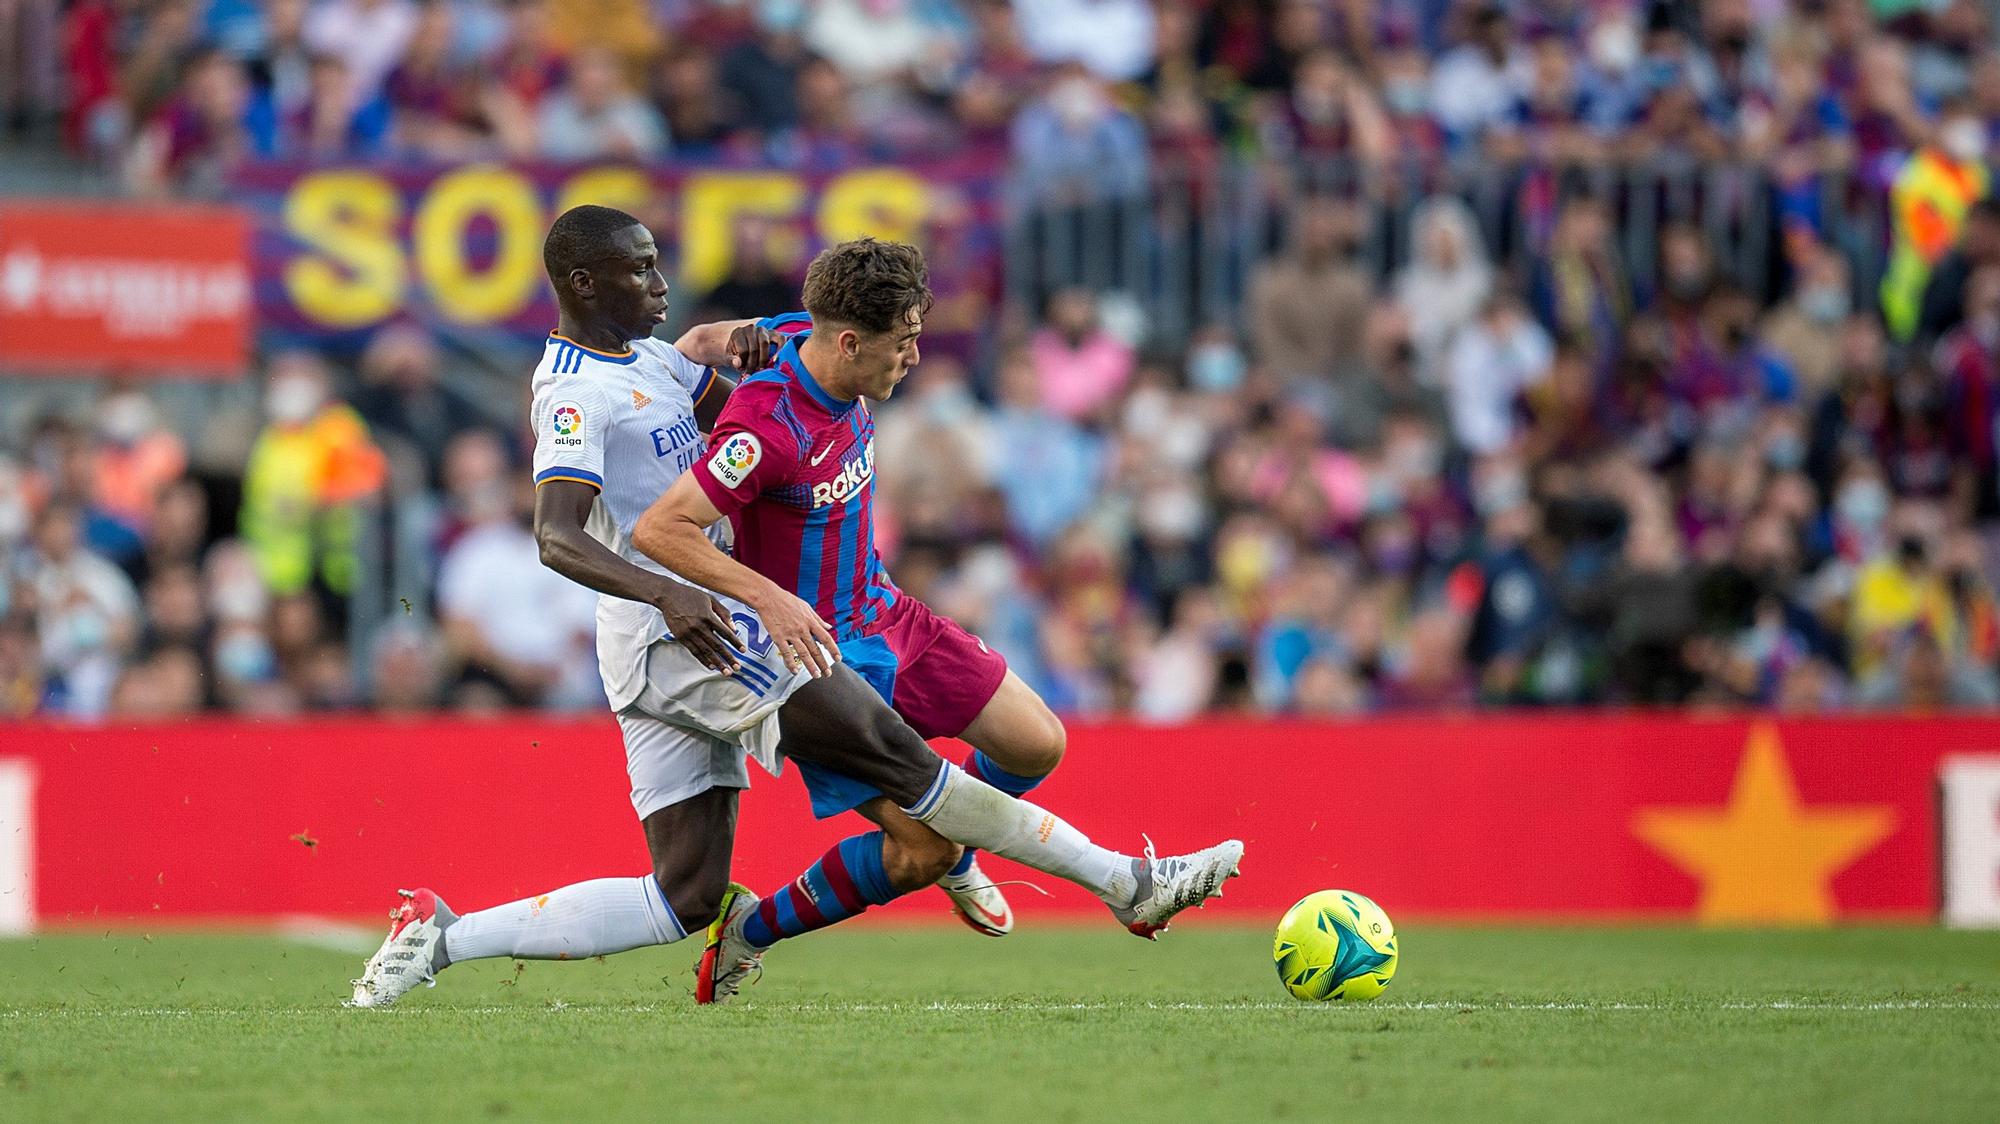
(461, 291)
(356, 273)
(626, 189)
(710, 203)
(886, 203)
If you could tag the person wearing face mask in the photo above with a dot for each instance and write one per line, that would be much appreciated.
(310, 466)
(1074, 146)
(134, 459)
(1805, 328)
(1928, 203)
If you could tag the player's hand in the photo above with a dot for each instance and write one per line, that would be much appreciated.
(752, 348)
(701, 625)
(799, 636)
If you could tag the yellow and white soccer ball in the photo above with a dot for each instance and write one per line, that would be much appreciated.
(1335, 944)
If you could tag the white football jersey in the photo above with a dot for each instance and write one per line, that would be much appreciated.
(623, 424)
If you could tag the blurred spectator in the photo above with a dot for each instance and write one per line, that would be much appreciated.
(367, 37)
(1921, 676)
(1805, 328)
(1977, 247)
(519, 633)
(1969, 360)
(406, 670)
(1446, 283)
(698, 115)
(335, 121)
(1051, 468)
(1899, 589)
(1582, 291)
(22, 689)
(28, 79)
(136, 457)
(280, 64)
(762, 71)
(1081, 365)
(1074, 145)
(1476, 84)
(440, 103)
(199, 133)
(404, 401)
(311, 466)
(86, 614)
(752, 288)
(1497, 359)
(1306, 309)
(871, 39)
(1928, 202)
(1113, 39)
(595, 115)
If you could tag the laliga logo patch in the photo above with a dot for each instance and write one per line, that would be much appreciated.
(734, 458)
(567, 423)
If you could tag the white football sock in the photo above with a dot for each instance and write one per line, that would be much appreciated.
(595, 918)
(965, 809)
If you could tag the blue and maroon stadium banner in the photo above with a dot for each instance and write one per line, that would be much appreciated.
(1724, 821)
(339, 250)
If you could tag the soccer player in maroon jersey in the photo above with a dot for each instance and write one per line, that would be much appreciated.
(792, 465)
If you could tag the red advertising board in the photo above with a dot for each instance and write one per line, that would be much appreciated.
(130, 288)
(1729, 820)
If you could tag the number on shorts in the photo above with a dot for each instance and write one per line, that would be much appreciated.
(753, 633)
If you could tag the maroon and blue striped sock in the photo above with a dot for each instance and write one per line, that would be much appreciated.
(1013, 784)
(846, 880)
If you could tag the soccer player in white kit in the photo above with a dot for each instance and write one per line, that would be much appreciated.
(697, 683)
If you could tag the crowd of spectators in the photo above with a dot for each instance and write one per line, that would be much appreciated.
(1085, 90)
(1461, 483)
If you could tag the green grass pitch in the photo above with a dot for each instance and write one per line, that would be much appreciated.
(1050, 1025)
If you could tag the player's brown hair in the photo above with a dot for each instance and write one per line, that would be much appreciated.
(867, 285)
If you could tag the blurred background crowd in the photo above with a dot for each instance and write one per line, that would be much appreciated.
(1502, 464)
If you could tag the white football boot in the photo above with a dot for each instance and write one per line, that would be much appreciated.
(1170, 885)
(406, 955)
(978, 902)
(728, 958)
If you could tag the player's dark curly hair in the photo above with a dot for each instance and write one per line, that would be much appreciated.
(867, 285)
(579, 237)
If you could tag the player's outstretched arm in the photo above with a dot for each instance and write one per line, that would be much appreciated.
(731, 345)
(673, 532)
(698, 621)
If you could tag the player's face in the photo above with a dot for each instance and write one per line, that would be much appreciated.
(884, 360)
(631, 291)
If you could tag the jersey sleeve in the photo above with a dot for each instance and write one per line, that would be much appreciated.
(788, 324)
(749, 453)
(698, 378)
(570, 420)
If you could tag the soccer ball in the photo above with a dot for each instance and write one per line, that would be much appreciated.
(1335, 944)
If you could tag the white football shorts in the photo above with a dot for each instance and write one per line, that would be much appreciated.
(691, 727)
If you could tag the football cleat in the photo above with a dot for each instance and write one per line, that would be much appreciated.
(978, 901)
(728, 957)
(1170, 885)
(406, 955)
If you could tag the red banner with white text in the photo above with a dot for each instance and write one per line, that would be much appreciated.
(128, 289)
(1730, 821)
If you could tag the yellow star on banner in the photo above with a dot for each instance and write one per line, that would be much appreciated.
(1765, 857)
